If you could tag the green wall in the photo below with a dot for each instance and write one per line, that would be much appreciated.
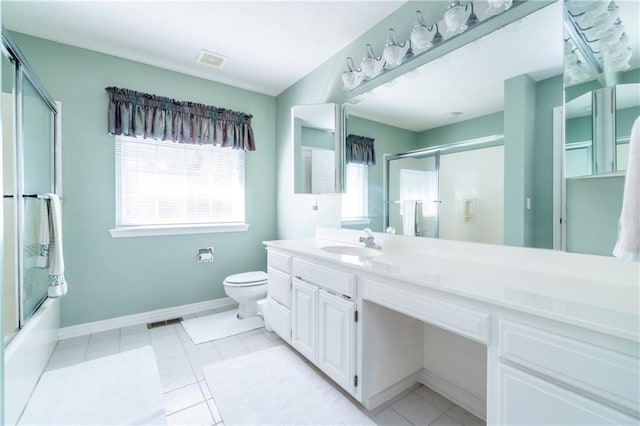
(317, 138)
(387, 140)
(112, 277)
(486, 125)
(519, 118)
(593, 210)
(548, 96)
(578, 129)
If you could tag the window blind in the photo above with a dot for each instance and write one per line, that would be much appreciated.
(165, 183)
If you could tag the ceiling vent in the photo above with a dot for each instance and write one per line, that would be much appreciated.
(211, 59)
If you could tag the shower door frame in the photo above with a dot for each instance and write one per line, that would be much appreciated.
(437, 151)
(22, 72)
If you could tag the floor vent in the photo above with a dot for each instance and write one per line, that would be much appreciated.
(163, 323)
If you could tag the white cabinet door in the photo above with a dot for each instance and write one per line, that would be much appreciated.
(304, 319)
(528, 400)
(336, 338)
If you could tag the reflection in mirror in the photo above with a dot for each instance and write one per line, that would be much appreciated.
(602, 91)
(598, 126)
(578, 148)
(317, 149)
(432, 192)
(627, 110)
(506, 83)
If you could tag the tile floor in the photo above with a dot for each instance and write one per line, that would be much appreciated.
(187, 397)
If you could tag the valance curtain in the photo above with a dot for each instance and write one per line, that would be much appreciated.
(139, 114)
(360, 150)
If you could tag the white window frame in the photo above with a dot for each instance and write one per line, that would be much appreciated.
(363, 218)
(124, 231)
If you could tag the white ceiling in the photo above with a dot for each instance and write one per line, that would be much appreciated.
(270, 45)
(470, 79)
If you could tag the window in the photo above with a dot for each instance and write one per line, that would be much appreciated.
(355, 199)
(420, 186)
(173, 185)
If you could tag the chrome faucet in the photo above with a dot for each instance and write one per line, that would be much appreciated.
(367, 239)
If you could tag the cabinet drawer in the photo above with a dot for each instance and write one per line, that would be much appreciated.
(279, 261)
(278, 319)
(528, 400)
(464, 321)
(279, 287)
(336, 281)
(606, 374)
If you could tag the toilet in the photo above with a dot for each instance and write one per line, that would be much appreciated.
(247, 288)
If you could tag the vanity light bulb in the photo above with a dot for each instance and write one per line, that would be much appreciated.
(420, 37)
(349, 79)
(501, 4)
(369, 67)
(455, 17)
(392, 55)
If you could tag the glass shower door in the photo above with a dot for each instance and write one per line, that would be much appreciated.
(36, 178)
(10, 311)
(412, 194)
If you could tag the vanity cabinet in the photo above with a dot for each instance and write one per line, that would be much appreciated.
(528, 400)
(311, 306)
(304, 324)
(539, 369)
(323, 329)
(337, 319)
(278, 312)
(545, 378)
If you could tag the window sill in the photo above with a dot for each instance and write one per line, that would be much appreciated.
(356, 221)
(151, 231)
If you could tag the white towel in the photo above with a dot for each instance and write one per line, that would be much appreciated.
(409, 217)
(57, 282)
(628, 245)
(36, 233)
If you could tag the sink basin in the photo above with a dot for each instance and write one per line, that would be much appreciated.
(352, 251)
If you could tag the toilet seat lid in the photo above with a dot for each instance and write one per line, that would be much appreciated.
(253, 277)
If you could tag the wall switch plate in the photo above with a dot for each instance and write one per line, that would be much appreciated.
(205, 255)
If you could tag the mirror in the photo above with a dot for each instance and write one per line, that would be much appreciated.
(483, 108)
(602, 90)
(597, 129)
(317, 145)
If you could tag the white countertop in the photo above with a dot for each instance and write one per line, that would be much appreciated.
(593, 292)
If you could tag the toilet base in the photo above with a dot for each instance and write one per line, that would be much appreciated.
(247, 309)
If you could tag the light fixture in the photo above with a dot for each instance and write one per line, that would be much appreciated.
(394, 52)
(598, 39)
(473, 18)
(500, 5)
(371, 65)
(352, 76)
(456, 19)
(420, 36)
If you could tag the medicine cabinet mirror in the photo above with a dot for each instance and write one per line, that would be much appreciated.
(318, 154)
(598, 125)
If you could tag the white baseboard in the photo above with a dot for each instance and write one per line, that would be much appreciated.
(470, 402)
(392, 391)
(142, 318)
